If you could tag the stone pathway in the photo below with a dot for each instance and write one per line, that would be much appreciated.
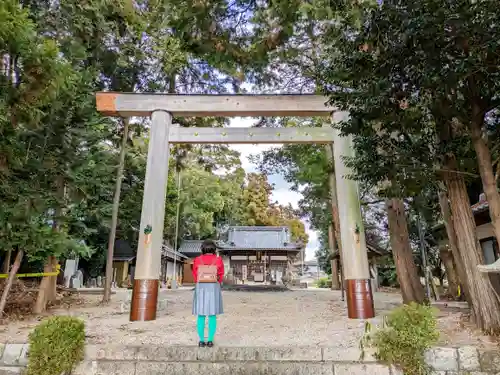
(271, 319)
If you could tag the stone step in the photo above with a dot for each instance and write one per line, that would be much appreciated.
(230, 368)
(187, 360)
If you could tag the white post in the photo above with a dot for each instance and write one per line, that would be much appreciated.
(354, 252)
(148, 265)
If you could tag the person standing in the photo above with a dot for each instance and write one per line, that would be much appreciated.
(208, 273)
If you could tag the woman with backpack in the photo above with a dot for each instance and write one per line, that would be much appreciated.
(208, 272)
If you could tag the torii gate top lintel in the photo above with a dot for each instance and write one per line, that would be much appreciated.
(139, 104)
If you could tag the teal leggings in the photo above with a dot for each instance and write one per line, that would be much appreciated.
(212, 326)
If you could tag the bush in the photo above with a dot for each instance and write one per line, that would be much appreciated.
(56, 346)
(324, 282)
(408, 332)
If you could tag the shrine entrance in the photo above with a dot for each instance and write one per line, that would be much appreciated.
(163, 107)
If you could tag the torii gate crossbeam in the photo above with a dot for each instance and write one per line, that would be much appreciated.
(162, 108)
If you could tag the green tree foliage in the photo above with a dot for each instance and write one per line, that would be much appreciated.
(306, 168)
(259, 210)
(409, 75)
(203, 197)
(34, 76)
(58, 156)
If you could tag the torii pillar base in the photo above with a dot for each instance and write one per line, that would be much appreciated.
(359, 299)
(144, 300)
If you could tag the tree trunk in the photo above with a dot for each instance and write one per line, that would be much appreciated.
(45, 292)
(48, 286)
(453, 243)
(485, 303)
(409, 280)
(486, 170)
(114, 216)
(10, 280)
(52, 292)
(334, 227)
(335, 274)
(447, 259)
(334, 261)
(6, 262)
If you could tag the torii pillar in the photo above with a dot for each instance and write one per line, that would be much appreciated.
(148, 265)
(352, 232)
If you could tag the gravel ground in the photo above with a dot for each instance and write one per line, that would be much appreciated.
(293, 318)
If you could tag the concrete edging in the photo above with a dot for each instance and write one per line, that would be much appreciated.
(155, 360)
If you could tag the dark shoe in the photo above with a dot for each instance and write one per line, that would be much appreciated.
(201, 344)
(210, 344)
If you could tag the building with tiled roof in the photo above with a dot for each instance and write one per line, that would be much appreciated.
(191, 248)
(271, 239)
(252, 253)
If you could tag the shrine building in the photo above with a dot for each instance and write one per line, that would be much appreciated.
(252, 254)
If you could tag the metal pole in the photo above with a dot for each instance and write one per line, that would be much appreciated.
(341, 267)
(174, 279)
(303, 251)
(424, 256)
(265, 268)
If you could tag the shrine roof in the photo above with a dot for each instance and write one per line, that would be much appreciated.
(191, 247)
(123, 251)
(259, 238)
(374, 251)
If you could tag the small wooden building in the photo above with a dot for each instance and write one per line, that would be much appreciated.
(169, 267)
(190, 249)
(123, 263)
(374, 253)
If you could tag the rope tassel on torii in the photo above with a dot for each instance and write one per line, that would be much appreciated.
(163, 107)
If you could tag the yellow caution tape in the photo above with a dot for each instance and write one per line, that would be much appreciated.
(5, 275)
(40, 274)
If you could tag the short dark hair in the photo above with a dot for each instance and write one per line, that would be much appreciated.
(208, 247)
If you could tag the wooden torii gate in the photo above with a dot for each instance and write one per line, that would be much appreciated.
(162, 108)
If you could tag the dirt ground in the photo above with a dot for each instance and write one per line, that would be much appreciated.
(293, 318)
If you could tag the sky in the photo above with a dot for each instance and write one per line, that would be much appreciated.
(282, 192)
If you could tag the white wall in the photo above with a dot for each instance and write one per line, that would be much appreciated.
(226, 261)
(312, 269)
(170, 268)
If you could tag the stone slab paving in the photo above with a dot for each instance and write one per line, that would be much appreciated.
(187, 360)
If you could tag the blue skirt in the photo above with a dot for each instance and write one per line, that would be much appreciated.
(207, 299)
